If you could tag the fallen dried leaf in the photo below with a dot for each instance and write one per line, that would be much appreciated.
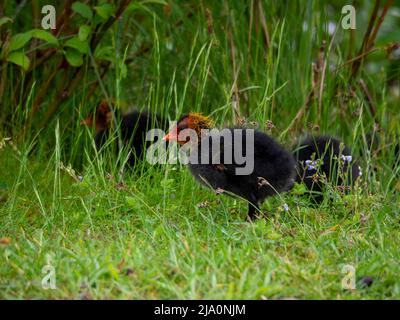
(204, 204)
(5, 241)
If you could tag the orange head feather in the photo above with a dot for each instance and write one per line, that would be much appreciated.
(193, 120)
(101, 119)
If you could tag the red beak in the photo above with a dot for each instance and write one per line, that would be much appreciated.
(172, 135)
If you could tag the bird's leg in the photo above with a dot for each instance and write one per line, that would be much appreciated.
(251, 215)
(253, 208)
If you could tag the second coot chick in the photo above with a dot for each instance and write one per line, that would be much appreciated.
(324, 159)
(133, 127)
(273, 169)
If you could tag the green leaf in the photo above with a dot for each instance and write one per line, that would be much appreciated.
(74, 57)
(19, 40)
(134, 203)
(162, 2)
(142, 5)
(131, 201)
(274, 235)
(105, 10)
(77, 44)
(113, 271)
(44, 35)
(84, 32)
(105, 53)
(82, 9)
(19, 59)
(123, 69)
(299, 188)
(4, 20)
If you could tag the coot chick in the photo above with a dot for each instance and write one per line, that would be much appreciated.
(268, 168)
(133, 128)
(324, 159)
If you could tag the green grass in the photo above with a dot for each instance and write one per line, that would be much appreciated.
(155, 237)
(156, 233)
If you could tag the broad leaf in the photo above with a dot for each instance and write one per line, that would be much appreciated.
(84, 32)
(77, 44)
(4, 20)
(44, 35)
(82, 9)
(19, 40)
(19, 59)
(74, 57)
(105, 10)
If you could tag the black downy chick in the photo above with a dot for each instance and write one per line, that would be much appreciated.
(274, 168)
(133, 127)
(325, 158)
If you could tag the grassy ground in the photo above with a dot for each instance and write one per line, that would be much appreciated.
(159, 235)
(156, 233)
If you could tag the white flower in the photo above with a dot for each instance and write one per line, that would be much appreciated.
(285, 207)
(311, 165)
(346, 158)
(3, 142)
(359, 171)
